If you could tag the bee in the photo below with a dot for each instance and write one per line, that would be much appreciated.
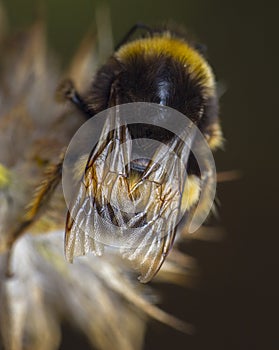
(161, 67)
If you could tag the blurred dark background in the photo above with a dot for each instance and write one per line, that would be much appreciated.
(235, 305)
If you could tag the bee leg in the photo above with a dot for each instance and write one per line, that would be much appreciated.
(67, 91)
(40, 200)
(135, 27)
(43, 194)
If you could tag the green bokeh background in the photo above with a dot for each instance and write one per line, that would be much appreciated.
(234, 306)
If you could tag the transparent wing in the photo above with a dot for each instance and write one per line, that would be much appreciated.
(138, 215)
(162, 184)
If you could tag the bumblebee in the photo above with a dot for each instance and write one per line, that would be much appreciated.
(162, 67)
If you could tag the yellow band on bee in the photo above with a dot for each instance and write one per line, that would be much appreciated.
(177, 48)
(191, 192)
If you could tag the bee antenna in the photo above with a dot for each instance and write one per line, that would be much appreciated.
(134, 28)
(67, 91)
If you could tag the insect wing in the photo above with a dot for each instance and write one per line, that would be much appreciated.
(140, 218)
